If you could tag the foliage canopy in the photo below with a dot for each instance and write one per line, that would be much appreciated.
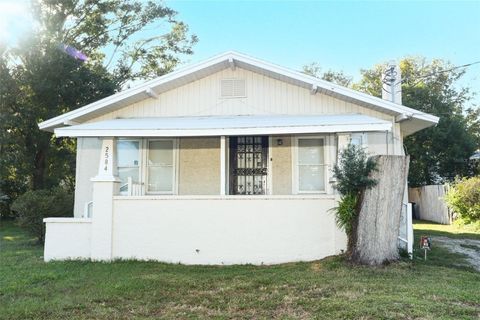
(34, 205)
(41, 80)
(464, 199)
(440, 153)
(338, 77)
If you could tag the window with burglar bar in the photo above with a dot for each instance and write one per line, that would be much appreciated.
(248, 165)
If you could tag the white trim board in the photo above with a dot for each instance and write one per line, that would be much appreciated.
(326, 164)
(143, 165)
(225, 126)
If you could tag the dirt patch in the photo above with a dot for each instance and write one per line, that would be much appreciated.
(468, 247)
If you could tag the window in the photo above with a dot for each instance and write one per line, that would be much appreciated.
(160, 166)
(151, 165)
(358, 139)
(128, 161)
(310, 165)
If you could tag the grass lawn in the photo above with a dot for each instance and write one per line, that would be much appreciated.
(440, 288)
(451, 231)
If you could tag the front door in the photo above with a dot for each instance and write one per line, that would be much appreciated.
(248, 165)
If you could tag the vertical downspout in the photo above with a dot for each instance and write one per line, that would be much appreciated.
(386, 140)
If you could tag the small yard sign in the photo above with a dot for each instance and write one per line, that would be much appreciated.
(425, 244)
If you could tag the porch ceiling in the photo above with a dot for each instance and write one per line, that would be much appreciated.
(225, 126)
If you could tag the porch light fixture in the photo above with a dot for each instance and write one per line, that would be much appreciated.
(279, 142)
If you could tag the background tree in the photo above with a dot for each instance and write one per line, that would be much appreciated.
(314, 69)
(473, 122)
(47, 75)
(441, 152)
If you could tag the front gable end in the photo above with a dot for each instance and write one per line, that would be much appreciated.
(239, 92)
(250, 87)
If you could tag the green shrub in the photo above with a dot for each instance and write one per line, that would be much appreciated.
(32, 206)
(353, 170)
(353, 176)
(464, 199)
(345, 212)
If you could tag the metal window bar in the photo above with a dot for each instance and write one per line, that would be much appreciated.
(248, 169)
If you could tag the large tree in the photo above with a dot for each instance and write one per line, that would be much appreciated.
(47, 74)
(439, 153)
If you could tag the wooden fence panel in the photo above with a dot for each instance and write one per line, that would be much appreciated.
(429, 203)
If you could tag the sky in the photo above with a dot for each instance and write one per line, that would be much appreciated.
(341, 36)
(346, 36)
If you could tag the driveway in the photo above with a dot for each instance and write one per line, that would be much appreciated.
(470, 248)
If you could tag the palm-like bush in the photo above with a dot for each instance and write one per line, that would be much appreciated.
(352, 173)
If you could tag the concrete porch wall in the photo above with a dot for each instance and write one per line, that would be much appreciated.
(226, 230)
(212, 230)
(67, 238)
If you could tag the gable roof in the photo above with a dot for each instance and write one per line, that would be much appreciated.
(414, 120)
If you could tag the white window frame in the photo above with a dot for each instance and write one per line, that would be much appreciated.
(364, 138)
(174, 190)
(143, 165)
(295, 173)
(140, 159)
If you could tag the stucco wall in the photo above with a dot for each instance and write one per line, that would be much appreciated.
(199, 166)
(88, 157)
(259, 230)
(67, 238)
(281, 165)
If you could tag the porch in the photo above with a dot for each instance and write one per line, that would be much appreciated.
(260, 195)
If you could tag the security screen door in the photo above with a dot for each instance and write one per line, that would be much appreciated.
(248, 165)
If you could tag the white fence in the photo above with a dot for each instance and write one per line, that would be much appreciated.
(429, 203)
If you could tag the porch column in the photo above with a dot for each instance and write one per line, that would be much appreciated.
(223, 165)
(105, 186)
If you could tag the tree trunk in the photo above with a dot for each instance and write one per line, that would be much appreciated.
(376, 230)
(39, 171)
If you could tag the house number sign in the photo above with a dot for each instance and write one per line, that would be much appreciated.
(105, 168)
(106, 157)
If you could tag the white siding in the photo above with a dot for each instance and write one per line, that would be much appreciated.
(264, 96)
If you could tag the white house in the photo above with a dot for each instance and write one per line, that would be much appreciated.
(227, 161)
